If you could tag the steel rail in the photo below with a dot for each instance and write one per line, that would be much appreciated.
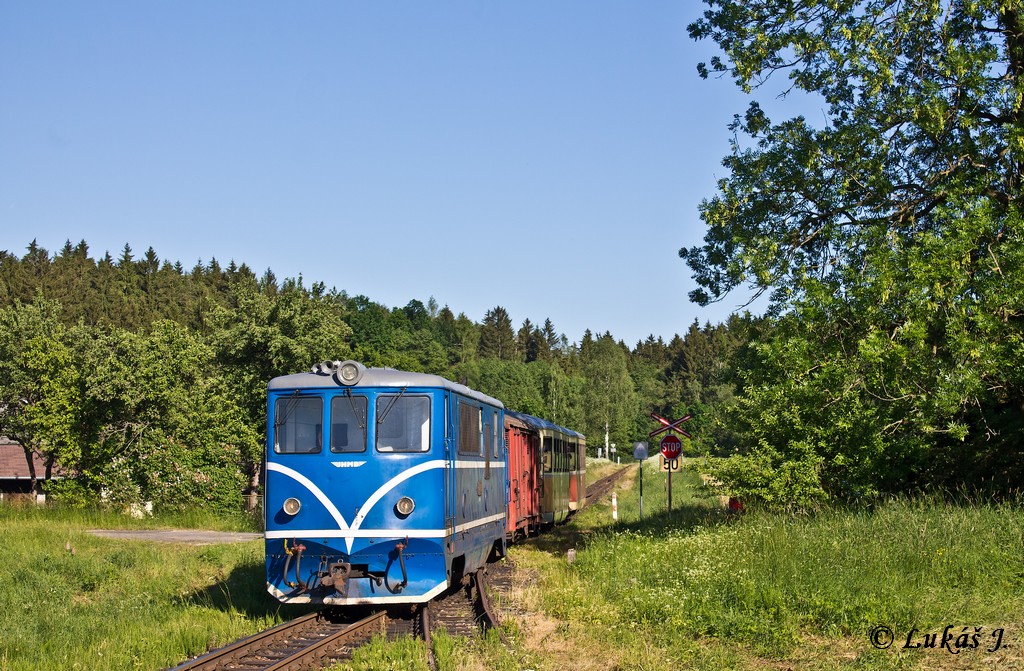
(239, 650)
(234, 651)
(488, 617)
(320, 649)
(424, 625)
(599, 489)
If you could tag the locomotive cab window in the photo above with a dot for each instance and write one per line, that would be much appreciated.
(348, 423)
(298, 424)
(403, 423)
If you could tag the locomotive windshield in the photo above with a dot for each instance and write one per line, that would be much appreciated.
(298, 424)
(348, 423)
(403, 423)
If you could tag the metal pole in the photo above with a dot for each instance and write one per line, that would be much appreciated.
(641, 491)
(670, 485)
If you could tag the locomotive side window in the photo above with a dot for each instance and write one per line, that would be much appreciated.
(487, 444)
(298, 425)
(403, 423)
(348, 423)
(497, 437)
(469, 429)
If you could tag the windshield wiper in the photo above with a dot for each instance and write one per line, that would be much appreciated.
(384, 415)
(355, 413)
(281, 418)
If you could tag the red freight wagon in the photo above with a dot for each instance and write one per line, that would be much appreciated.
(524, 516)
(547, 472)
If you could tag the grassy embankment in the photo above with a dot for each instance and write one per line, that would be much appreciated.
(687, 590)
(113, 604)
(697, 590)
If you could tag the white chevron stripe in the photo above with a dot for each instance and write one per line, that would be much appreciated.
(351, 532)
(380, 533)
(313, 489)
(391, 484)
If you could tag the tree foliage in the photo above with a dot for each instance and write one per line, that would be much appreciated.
(889, 237)
(147, 382)
(40, 392)
(165, 425)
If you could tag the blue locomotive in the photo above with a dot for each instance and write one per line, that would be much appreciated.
(382, 486)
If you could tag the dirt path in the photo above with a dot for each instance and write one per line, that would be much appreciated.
(186, 536)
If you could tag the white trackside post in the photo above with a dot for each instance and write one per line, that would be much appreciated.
(615, 507)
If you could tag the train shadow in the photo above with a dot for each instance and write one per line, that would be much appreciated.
(687, 517)
(244, 591)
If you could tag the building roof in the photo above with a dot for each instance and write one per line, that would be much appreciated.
(13, 465)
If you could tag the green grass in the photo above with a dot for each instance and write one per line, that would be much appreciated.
(715, 592)
(691, 589)
(115, 604)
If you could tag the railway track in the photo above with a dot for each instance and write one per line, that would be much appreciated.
(307, 642)
(317, 640)
(601, 488)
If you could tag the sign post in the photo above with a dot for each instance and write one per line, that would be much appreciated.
(671, 446)
(640, 453)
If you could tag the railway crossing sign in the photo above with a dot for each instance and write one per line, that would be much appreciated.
(671, 446)
(669, 426)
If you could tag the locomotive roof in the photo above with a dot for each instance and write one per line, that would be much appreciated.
(538, 423)
(379, 377)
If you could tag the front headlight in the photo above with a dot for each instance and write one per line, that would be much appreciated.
(291, 506)
(405, 506)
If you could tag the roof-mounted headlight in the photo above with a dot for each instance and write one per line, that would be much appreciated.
(348, 373)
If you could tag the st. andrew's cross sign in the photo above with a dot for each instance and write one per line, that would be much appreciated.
(669, 426)
(670, 445)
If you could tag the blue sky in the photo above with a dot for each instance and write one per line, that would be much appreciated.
(545, 157)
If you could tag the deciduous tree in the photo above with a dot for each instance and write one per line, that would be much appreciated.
(40, 392)
(888, 233)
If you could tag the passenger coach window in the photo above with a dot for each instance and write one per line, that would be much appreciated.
(548, 456)
(469, 429)
(298, 425)
(403, 423)
(348, 424)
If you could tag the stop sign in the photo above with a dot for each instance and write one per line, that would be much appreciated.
(671, 446)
